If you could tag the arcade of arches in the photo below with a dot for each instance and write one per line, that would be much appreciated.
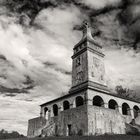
(97, 101)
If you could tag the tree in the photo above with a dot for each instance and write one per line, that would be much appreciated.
(120, 90)
(126, 93)
(6, 135)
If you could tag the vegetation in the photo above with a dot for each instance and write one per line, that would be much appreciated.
(126, 93)
(103, 137)
(8, 135)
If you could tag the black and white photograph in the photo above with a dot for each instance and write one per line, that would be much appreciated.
(69, 69)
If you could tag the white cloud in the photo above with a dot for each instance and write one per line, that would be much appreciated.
(58, 36)
(27, 49)
(98, 4)
(15, 114)
(122, 67)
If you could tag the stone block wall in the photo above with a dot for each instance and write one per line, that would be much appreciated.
(69, 122)
(103, 121)
(137, 120)
(35, 126)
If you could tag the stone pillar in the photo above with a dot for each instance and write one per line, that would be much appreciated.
(51, 113)
(116, 108)
(139, 113)
(120, 109)
(60, 109)
(74, 104)
(132, 113)
(42, 113)
(89, 102)
(106, 105)
(71, 105)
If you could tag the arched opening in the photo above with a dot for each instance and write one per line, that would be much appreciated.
(79, 101)
(125, 109)
(112, 104)
(98, 101)
(136, 111)
(66, 105)
(55, 110)
(46, 112)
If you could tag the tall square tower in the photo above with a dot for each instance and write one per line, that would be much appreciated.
(88, 67)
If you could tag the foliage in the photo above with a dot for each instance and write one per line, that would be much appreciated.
(126, 93)
(7, 135)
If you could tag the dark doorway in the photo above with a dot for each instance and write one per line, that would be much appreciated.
(56, 130)
(69, 130)
(66, 105)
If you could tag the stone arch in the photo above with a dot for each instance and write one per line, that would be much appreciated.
(136, 111)
(98, 101)
(46, 111)
(66, 105)
(125, 109)
(79, 101)
(112, 104)
(55, 110)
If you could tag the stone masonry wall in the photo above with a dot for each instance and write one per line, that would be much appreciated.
(76, 118)
(102, 121)
(35, 126)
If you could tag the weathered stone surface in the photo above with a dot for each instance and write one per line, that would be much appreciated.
(137, 120)
(76, 118)
(35, 126)
(104, 121)
(83, 120)
(80, 69)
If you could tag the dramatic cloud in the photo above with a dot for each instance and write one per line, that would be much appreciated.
(15, 113)
(36, 44)
(98, 4)
(35, 60)
(122, 68)
(27, 51)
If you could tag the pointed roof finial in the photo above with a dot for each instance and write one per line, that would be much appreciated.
(87, 30)
(85, 23)
(87, 34)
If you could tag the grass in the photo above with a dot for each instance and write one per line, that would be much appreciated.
(103, 137)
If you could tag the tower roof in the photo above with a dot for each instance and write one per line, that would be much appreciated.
(87, 35)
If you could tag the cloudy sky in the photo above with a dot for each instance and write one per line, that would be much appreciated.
(36, 42)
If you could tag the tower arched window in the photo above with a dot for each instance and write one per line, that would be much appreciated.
(125, 109)
(79, 101)
(136, 111)
(66, 105)
(55, 109)
(98, 101)
(46, 112)
(112, 104)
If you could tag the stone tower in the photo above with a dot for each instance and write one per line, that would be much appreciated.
(88, 67)
(90, 108)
